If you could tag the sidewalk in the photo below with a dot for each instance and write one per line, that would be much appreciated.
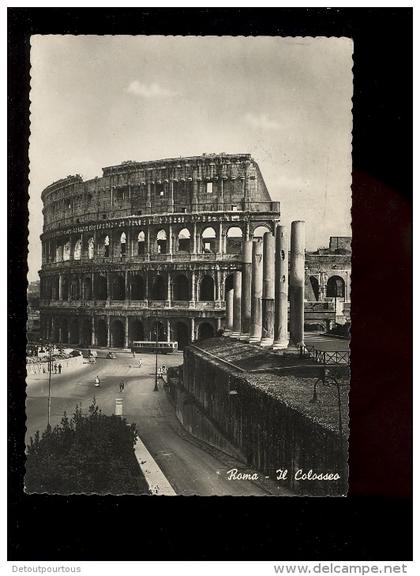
(155, 478)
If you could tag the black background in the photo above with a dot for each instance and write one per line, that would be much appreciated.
(375, 521)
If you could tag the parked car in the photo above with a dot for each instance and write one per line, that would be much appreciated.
(111, 355)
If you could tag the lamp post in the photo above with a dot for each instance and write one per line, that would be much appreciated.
(155, 389)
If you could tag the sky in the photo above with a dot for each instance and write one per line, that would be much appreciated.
(99, 100)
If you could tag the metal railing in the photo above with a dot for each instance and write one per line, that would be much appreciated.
(326, 357)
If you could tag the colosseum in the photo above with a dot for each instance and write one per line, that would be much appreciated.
(149, 249)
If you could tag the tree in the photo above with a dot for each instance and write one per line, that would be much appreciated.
(91, 453)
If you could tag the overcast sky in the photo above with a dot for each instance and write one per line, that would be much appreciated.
(100, 100)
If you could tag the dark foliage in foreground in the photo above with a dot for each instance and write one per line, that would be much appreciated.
(85, 454)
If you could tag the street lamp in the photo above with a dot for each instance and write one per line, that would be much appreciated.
(49, 347)
(155, 389)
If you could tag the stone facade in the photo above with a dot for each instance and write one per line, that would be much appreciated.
(328, 283)
(148, 244)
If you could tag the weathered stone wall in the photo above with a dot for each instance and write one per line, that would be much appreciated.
(269, 432)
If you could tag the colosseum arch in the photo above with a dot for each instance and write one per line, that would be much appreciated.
(100, 287)
(137, 287)
(228, 283)
(65, 288)
(205, 330)
(64, 330)
(184, 240)
(123, 244)
(59, 252)
(66, 251)
(118, 287)
(87, 288)
(336, 287)
(74, 289)
(260, 231)
(181, 334)
(141, 243)
(234, 240)
(136, 330)
(208, 240)
(86, 326)
(161, 242)
(117, 333)
(206, 290)
(159, 288)
(101, 333)
(74, 331)
(77, 253)
(313, 289)
(181, 287)
(161, 332)
(106, 246)
(91, 248)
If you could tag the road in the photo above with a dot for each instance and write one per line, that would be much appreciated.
(190, 468)
(326, 343)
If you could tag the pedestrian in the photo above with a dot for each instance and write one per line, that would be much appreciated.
(59, 368)
(122, 384)
(55, 368)
(134, 354)
(97, 381)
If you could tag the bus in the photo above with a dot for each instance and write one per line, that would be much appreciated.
(155, 347)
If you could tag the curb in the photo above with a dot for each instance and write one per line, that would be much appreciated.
(157, 481)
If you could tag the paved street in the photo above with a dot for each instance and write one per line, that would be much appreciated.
(189, 467)
(326, 343)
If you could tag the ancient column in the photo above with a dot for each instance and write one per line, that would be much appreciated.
(297, 282)
(126, 285)
(170, 238)
(171, 195)
(108, 286)
(168, 330)
(237, 305)
(229, 312)
(60, 287)
(149, 197)
(193, 287)
(220, 249)
(246, 289)
(281, 337)
(268, 291)
(256, 290)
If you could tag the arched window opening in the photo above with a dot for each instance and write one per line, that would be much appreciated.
(234, 240)
(314, 288)
(260, 231)
(66, 251)
(74, 289)
(181, 288)
(181, 335)
(106, 247)
(158, 329)
(87, 288)
(118, 288)
(64, 331)
(159, 288)
(228, 284)
(86, 332)
(117, 334)
(123, 243)
(136, 331)
(137, 287)
(100, 288)
(74, 331)
(184, 240)
(208, 240)
(205, 330)
(335, 287)
(91, 248)
(77, 250)
(101, 333)
(59, 253)
(141, 243)
(207, 289)
(65, 288)
(161, 242)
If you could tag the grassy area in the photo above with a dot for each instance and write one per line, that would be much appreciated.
(92, 454)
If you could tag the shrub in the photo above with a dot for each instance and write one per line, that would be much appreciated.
(85, 454)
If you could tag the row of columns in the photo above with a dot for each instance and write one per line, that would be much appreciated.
(257, 306)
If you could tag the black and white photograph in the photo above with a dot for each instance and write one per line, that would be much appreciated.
(189, 267)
